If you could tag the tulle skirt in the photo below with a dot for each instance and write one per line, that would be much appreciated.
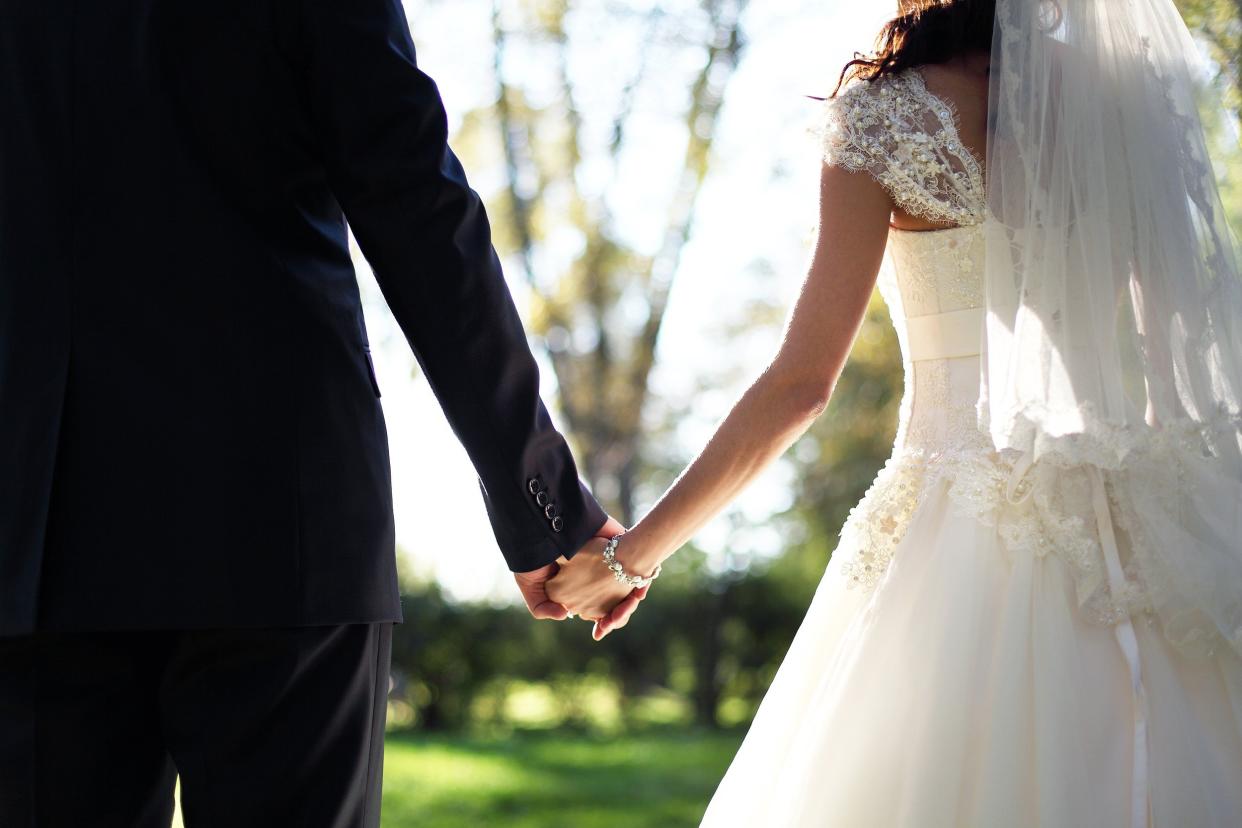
(967, 689)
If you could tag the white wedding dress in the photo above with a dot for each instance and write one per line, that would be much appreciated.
(947, 672)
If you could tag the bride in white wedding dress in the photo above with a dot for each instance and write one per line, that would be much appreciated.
(1034, 616)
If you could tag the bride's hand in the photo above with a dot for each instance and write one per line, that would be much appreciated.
(585, 585)
(620, 615)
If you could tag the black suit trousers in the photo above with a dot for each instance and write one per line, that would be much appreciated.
(280, 726)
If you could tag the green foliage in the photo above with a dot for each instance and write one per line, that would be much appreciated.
(450, 661)
(1218, 23)
(702, 649)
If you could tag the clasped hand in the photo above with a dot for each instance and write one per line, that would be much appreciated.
(583, 586)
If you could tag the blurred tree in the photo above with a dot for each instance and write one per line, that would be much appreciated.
(599, 293)
(1219, 24)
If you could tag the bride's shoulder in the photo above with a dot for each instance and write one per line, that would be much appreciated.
(866, 118)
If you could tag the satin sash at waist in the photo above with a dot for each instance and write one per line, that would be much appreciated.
(957, 333)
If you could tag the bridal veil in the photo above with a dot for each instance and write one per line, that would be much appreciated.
(1113, 338)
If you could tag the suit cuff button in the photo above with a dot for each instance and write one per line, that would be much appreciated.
(558, 523)
(541, 499)
(534, 485)
(550, 511)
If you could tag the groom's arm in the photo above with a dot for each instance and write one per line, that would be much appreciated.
(424, 231)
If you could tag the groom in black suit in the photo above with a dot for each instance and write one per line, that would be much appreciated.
(196, 523)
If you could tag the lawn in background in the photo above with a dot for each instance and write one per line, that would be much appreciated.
(661, 780)
(542, 780)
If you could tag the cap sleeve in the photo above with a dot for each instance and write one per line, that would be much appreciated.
(851, 131)
(904, 138)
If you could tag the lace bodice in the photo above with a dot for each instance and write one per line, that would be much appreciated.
(905, 137)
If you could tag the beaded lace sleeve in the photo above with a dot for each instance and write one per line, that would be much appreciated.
(907, 139)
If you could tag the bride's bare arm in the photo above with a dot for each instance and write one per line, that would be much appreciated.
(796, 386)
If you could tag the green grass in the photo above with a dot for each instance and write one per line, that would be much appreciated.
(544, 780)
(554, 779)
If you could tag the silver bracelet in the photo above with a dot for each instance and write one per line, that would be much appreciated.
(618, 571)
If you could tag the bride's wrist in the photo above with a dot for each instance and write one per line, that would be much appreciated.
(637, 554)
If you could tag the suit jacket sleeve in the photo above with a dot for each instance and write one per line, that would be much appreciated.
(384, 134)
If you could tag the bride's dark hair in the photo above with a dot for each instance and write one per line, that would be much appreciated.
(926, 31)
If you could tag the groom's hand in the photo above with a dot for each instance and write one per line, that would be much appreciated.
(534, 588)
(585, 585)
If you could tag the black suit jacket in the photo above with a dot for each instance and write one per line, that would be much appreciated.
(190, 429)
